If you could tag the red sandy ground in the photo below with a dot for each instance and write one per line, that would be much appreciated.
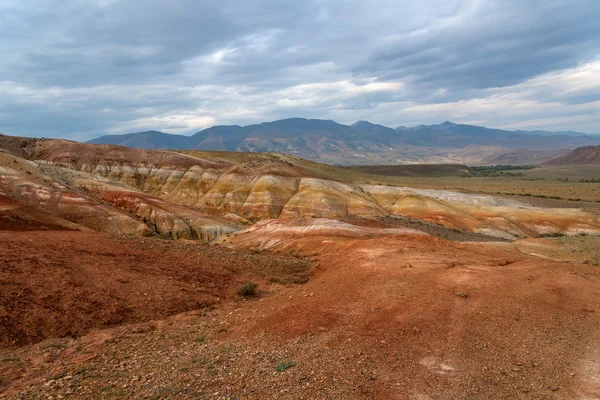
(397, 317)
(61, 283)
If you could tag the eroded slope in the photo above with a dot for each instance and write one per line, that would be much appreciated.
(202, 195)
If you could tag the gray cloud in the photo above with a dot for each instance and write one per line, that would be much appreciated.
(494, 43)
(81, 68)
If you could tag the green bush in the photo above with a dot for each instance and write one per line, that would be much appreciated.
(283, 365)
(247, 289)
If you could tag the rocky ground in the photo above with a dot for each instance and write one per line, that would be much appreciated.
(403, 316)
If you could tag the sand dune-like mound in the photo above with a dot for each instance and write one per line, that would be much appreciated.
(269, 233)
(78, 199)
(134, 190)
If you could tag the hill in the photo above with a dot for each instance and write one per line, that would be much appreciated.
(360, 143)
(588, 155)
(146, 140)
(522, 156)
(200, 195)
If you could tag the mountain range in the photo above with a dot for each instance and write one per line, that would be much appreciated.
(365, 142)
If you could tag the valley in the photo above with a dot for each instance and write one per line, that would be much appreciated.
(300, 200)
(132, 273)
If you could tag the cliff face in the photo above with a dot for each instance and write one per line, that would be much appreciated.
(117, 189)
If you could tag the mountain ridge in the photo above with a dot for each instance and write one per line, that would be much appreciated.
(360, 143)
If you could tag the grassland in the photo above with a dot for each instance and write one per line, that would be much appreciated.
(571, 172)
(552, 193)
(430, 170)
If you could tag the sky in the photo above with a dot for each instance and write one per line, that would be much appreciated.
(78, 69)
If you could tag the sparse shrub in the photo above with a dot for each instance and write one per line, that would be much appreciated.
(283, 365)
(553, 234)
(247, 289)
(54, 346)
(200, 339)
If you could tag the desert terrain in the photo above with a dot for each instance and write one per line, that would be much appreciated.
(131, 273)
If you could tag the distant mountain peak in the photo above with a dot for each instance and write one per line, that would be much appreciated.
(447, 124)
(362, 124)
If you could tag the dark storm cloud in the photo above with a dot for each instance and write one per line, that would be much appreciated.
(82, 67)
(495, 44)
(82, 43)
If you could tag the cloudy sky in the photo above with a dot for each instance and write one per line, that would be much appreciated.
(80, 68)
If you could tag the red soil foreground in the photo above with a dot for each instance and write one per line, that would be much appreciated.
(395, 317)
(57, 284)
